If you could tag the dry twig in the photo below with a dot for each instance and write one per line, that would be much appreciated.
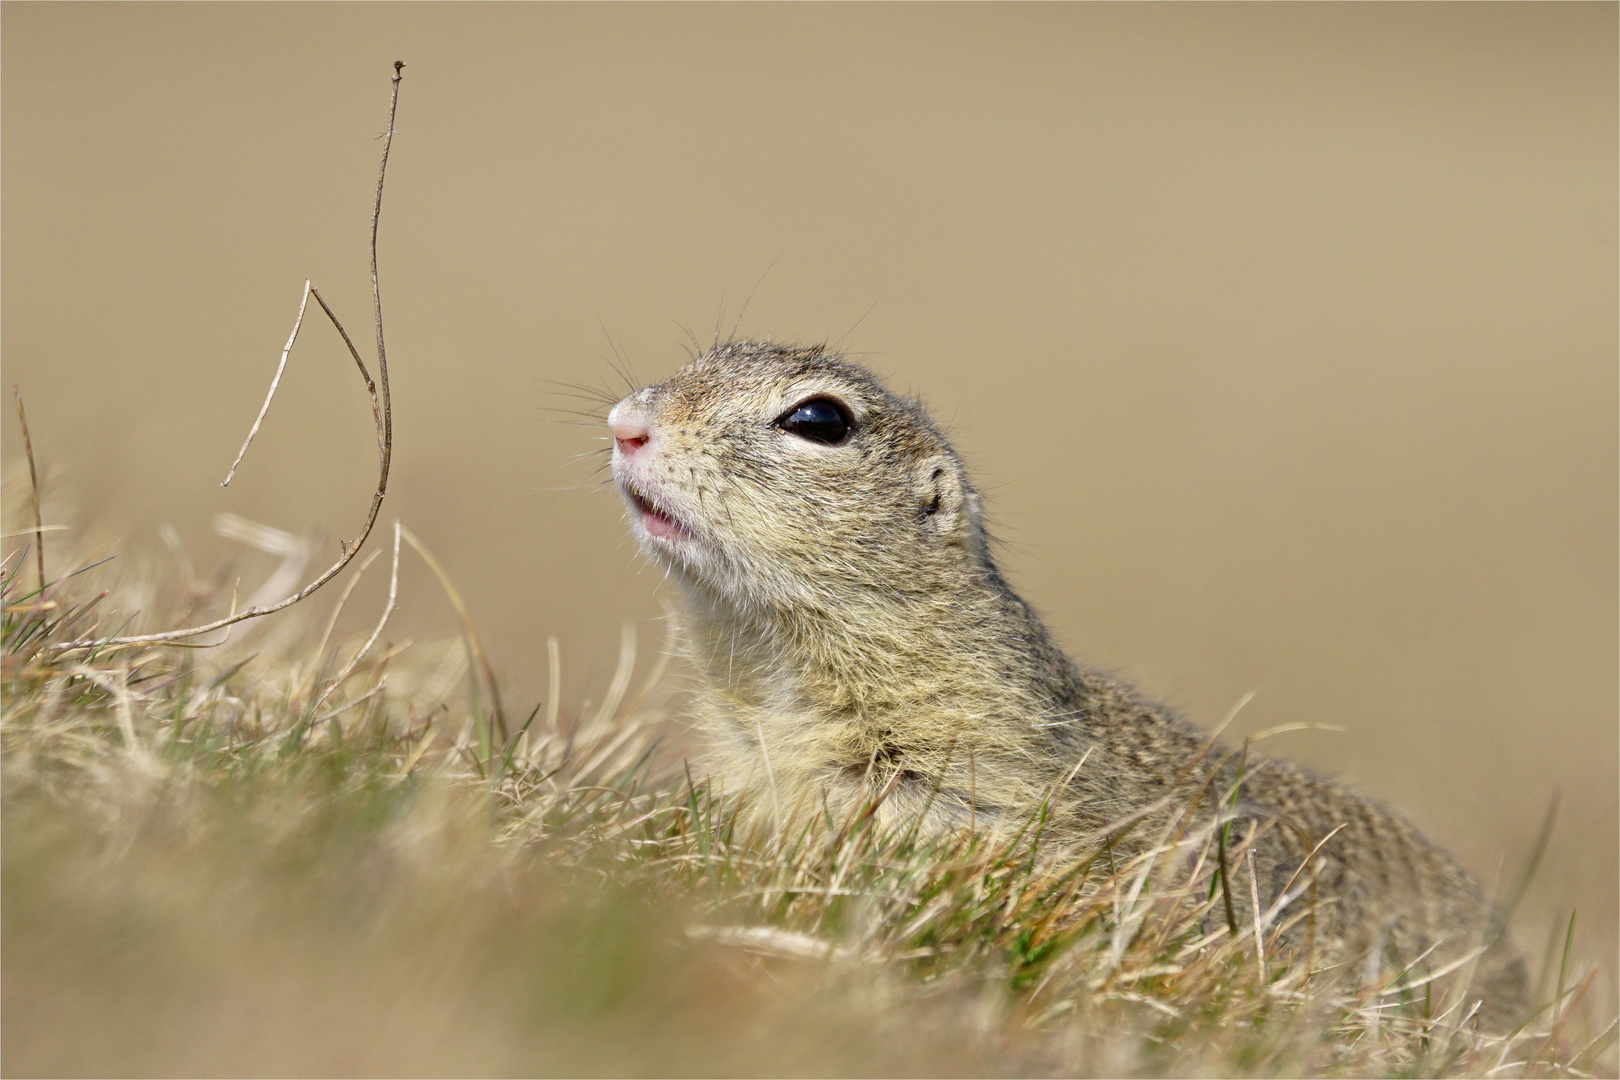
(33, 482)
(275, 384)
(475, 644)
(381, 412)
(388, 610)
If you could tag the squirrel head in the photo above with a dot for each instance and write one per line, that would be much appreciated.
(769, 476)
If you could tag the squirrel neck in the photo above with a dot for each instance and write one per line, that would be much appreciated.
(968, 646)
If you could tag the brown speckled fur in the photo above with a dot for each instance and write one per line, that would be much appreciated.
(852, 633)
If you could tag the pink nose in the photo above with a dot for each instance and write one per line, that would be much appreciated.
(630, 429)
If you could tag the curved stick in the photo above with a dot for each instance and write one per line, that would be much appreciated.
(382, 413)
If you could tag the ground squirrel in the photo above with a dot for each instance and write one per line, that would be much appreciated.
(853, 636)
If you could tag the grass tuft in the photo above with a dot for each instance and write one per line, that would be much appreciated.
(289, 863)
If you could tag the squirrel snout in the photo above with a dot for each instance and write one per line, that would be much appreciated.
(630, 427)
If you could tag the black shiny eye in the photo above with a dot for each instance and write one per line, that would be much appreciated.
(821, 420)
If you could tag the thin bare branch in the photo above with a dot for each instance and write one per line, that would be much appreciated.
(382, 412)
(393, 597)
(33, 487)
(275, 382)
(331, 623)
(371, 387)
(376, 290)
(475, 644)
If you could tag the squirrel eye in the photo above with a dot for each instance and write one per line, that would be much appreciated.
(821, 420)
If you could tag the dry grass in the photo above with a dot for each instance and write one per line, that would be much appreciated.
(227, 864)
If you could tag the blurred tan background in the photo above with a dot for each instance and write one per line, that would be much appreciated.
(1283, 338)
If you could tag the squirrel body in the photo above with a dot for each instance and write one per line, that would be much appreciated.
(854, 641)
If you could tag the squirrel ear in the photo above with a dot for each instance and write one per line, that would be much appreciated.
(944, 502)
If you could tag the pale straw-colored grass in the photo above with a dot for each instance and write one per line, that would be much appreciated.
(330, 859)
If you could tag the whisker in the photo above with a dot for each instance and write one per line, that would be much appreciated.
(594, 393)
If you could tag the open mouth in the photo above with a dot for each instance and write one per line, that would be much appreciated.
(655, 520)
